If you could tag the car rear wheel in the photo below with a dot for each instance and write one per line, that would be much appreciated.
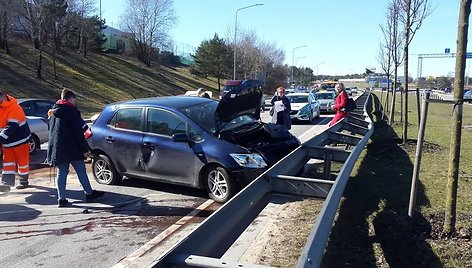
(104, 171)
(34, 144)
(219, 185)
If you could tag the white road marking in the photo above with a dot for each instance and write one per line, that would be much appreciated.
(310, 133)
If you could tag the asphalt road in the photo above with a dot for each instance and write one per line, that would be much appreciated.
(131, 225)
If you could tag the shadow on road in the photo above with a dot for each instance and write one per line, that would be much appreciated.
(17, 213)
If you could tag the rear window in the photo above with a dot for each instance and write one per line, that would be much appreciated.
(128, 118)
(27, 107)
(226, 89)
(324, 96)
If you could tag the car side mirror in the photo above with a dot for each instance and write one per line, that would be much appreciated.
(181, 137)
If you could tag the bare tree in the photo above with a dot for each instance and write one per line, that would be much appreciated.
(414, 12)
(149, 21)
(7, 11)
(385, 55)
(258, 59)
(456, 131)
(249, 55)
(33, 20)
(55, 14)
(83, 10)
(396, 50)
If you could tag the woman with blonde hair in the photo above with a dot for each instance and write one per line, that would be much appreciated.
(282, 108)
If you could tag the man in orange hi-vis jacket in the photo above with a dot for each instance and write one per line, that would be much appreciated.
(14, 136)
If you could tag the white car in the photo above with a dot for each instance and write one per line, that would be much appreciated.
(468, 95)
(39, 132)
(304, 106)
(193, 93)
(326, 99)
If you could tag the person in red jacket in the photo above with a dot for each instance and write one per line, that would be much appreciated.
(14, 136)
(340, 104)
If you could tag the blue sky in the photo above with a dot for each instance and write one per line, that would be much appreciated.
(341, 36)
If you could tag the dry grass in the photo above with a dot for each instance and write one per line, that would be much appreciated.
(288, 235)
(100, 79)
(373, 229)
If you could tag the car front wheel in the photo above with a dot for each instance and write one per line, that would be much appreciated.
(34, 144)
(219, 185)
(104, 171)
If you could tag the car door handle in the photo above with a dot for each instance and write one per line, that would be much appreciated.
(109, 138)
(149, 145)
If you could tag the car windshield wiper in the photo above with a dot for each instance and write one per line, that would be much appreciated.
(249, 125)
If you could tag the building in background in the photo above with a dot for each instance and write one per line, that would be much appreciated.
(117, 41)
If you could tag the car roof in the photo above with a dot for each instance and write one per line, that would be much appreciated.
(32, 99)
(175, 102)
(299, 94)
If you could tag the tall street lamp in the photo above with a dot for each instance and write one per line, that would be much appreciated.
(293, 60)
(318, 65)
(235, 29)
(296, 60)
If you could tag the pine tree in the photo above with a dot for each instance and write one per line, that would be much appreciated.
(213, 58)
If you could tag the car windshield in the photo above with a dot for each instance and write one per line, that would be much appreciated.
(204, 116)
(324, 96)
(298, 99)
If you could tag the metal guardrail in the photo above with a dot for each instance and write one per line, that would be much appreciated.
(343, 143)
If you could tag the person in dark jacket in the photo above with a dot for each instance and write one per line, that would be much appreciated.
(282, 117)
(67, 145)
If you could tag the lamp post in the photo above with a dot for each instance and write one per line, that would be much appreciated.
(235, 29)
(318, 65)
(296, 60)
(293, 60)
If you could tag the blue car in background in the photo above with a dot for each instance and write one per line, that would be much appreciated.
(219, 146)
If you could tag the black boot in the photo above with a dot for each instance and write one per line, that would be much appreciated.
(23, 182)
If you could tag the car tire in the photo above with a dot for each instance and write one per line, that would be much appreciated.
(34, 144)
(220, 187)
(104, 171)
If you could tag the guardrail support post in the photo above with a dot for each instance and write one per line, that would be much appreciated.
(327, 166)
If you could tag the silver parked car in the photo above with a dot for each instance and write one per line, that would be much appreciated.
(39, 132)
(326, 99)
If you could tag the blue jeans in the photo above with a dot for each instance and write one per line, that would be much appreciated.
(63, 171)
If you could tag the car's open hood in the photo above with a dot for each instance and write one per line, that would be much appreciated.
(242, 100)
